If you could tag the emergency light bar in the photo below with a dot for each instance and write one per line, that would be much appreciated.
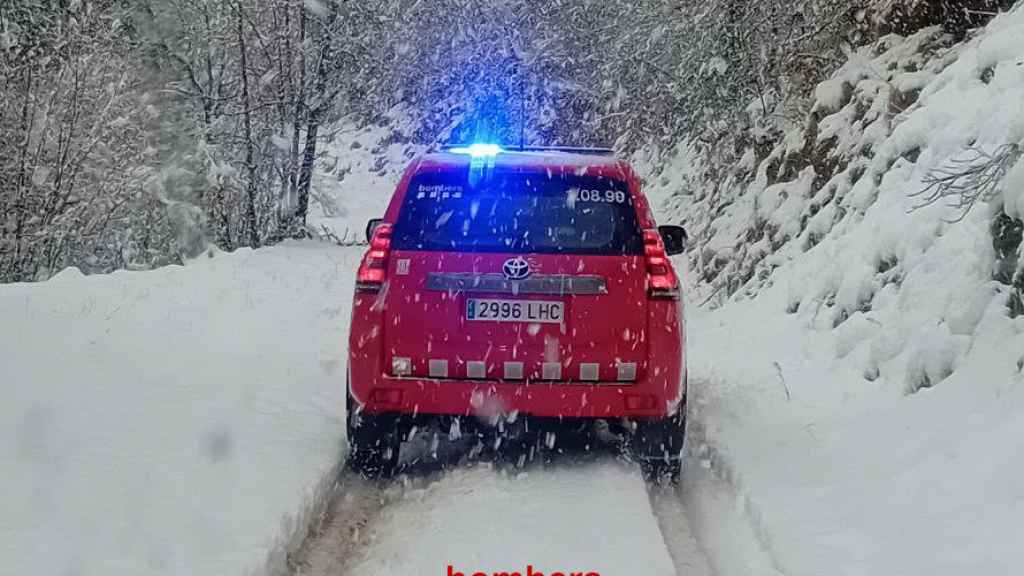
(477, 150)
(490, 150)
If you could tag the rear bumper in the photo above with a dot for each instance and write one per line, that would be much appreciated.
(489, 399)
(656, 395)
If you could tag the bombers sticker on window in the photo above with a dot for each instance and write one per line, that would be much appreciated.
(439, 191)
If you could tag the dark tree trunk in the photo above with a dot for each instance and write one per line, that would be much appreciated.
(286, 94)
(306, 171)
(220, 201)
(323, 101)
(20, 210)
(250, 161)
(300, 107)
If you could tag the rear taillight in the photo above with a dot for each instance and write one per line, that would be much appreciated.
(662, 283)
(373, 270)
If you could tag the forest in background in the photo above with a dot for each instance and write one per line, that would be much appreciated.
(135, 133)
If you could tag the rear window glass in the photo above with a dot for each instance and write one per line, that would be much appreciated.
(518, 212)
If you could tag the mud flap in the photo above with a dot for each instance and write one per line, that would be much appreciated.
(374, 442)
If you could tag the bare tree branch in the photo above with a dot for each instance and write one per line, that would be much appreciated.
(964, 180)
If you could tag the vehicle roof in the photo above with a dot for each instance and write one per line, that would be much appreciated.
(598, 162)
(556, 161)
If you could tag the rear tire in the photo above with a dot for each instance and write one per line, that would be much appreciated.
(374, 442)
(658, 445)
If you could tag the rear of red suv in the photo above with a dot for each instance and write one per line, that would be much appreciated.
(523, 284)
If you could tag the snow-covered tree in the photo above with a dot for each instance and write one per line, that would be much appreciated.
(134, 133)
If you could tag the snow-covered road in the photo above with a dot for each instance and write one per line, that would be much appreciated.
(589, 516)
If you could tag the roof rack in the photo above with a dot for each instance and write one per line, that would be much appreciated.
(563, 149)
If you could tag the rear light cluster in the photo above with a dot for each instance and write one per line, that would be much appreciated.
(373, 270)
(662, 283)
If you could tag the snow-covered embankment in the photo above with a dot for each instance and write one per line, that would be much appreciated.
(862, 393)
(177, 421)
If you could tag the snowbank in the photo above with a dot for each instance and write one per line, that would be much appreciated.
(860, 384)
(170, 422)
(844, 475)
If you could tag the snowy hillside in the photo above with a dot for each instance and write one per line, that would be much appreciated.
(169, 422)
(859, 359)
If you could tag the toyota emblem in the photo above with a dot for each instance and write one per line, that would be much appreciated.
(516, 269)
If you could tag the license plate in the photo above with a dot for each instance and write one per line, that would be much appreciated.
(533, 311)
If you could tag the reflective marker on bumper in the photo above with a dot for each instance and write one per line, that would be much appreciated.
(401, 366)
(551, 371)
(640, 402)
(589, 372)
(626, 371)
(385, 396)
(513, 370)
(476, 369)
(438, 368)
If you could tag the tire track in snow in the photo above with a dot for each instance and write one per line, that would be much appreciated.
(728, 523)
(330, 546)
(687, 555)
(725, 532)
(474, 516)
(583, 512)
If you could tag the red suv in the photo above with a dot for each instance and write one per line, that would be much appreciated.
(529, 284)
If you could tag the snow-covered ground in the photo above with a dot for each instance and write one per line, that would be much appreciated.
(171, 421)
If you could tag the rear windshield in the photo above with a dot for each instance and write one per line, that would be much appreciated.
(518, 212)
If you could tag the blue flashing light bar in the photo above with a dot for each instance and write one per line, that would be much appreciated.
(478, 150)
